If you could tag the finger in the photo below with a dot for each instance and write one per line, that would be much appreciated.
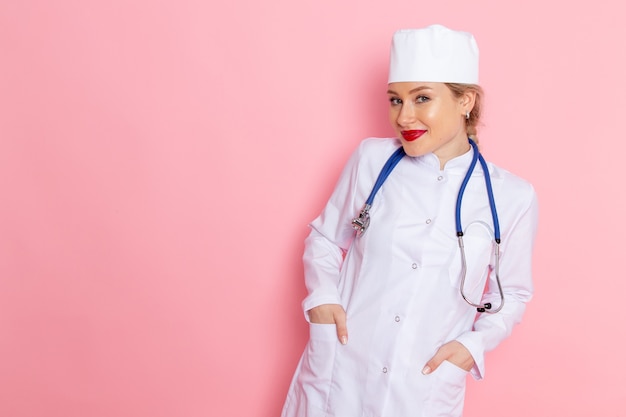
(434, 362)
(342, 328)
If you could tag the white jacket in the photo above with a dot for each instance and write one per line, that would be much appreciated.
(399, 284)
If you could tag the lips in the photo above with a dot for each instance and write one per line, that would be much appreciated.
(411, 135)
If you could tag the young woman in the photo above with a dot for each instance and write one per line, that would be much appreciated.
(413, 279)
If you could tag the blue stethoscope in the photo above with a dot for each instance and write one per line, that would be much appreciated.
(361, 223)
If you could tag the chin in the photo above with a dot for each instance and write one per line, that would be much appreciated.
(413, 151)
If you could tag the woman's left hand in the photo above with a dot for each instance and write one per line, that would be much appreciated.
(453, 352)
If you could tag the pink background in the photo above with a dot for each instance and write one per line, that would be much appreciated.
(160, 160)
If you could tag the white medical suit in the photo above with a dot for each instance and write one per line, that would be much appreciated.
(399, 284)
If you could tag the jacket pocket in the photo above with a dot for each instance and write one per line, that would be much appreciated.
(317, 367)
(479, 249)
(447, 392)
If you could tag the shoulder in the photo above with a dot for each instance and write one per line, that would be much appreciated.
(375, 149)
(378, 145)
(368, 159)
(513, 189)
(508, 177)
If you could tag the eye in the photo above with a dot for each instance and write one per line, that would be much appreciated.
(395, 101)
(422, 99)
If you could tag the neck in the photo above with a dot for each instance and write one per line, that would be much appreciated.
(443, 159)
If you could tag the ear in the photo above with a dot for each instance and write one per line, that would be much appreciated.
(467, 100)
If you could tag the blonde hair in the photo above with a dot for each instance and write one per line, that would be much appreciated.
(471, 124)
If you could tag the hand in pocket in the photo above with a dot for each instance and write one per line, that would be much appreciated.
(331, 314)
(453, 352)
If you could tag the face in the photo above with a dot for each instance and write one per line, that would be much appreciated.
(428, 118)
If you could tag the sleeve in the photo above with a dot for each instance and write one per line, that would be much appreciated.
(516, 279)
(331, 236)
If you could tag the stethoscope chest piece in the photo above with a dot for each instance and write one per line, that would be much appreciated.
(362, 222)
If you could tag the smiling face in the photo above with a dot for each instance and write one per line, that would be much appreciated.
(429, 118)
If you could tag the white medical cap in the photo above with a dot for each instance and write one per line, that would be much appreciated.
(433, 54)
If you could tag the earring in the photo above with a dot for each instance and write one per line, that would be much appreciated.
(467, 115)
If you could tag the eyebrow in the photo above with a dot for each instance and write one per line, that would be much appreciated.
(415, 90)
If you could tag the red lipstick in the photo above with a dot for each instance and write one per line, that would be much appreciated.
(411, 135)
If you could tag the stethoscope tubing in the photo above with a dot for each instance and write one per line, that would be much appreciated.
(361, 223)
(485, 307)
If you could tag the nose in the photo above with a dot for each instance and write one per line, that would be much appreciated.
(406, 115)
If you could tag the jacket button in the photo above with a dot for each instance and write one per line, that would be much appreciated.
(414, 266)
(384, 370)
(397, 318)
(428, 221)
(439, 178)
